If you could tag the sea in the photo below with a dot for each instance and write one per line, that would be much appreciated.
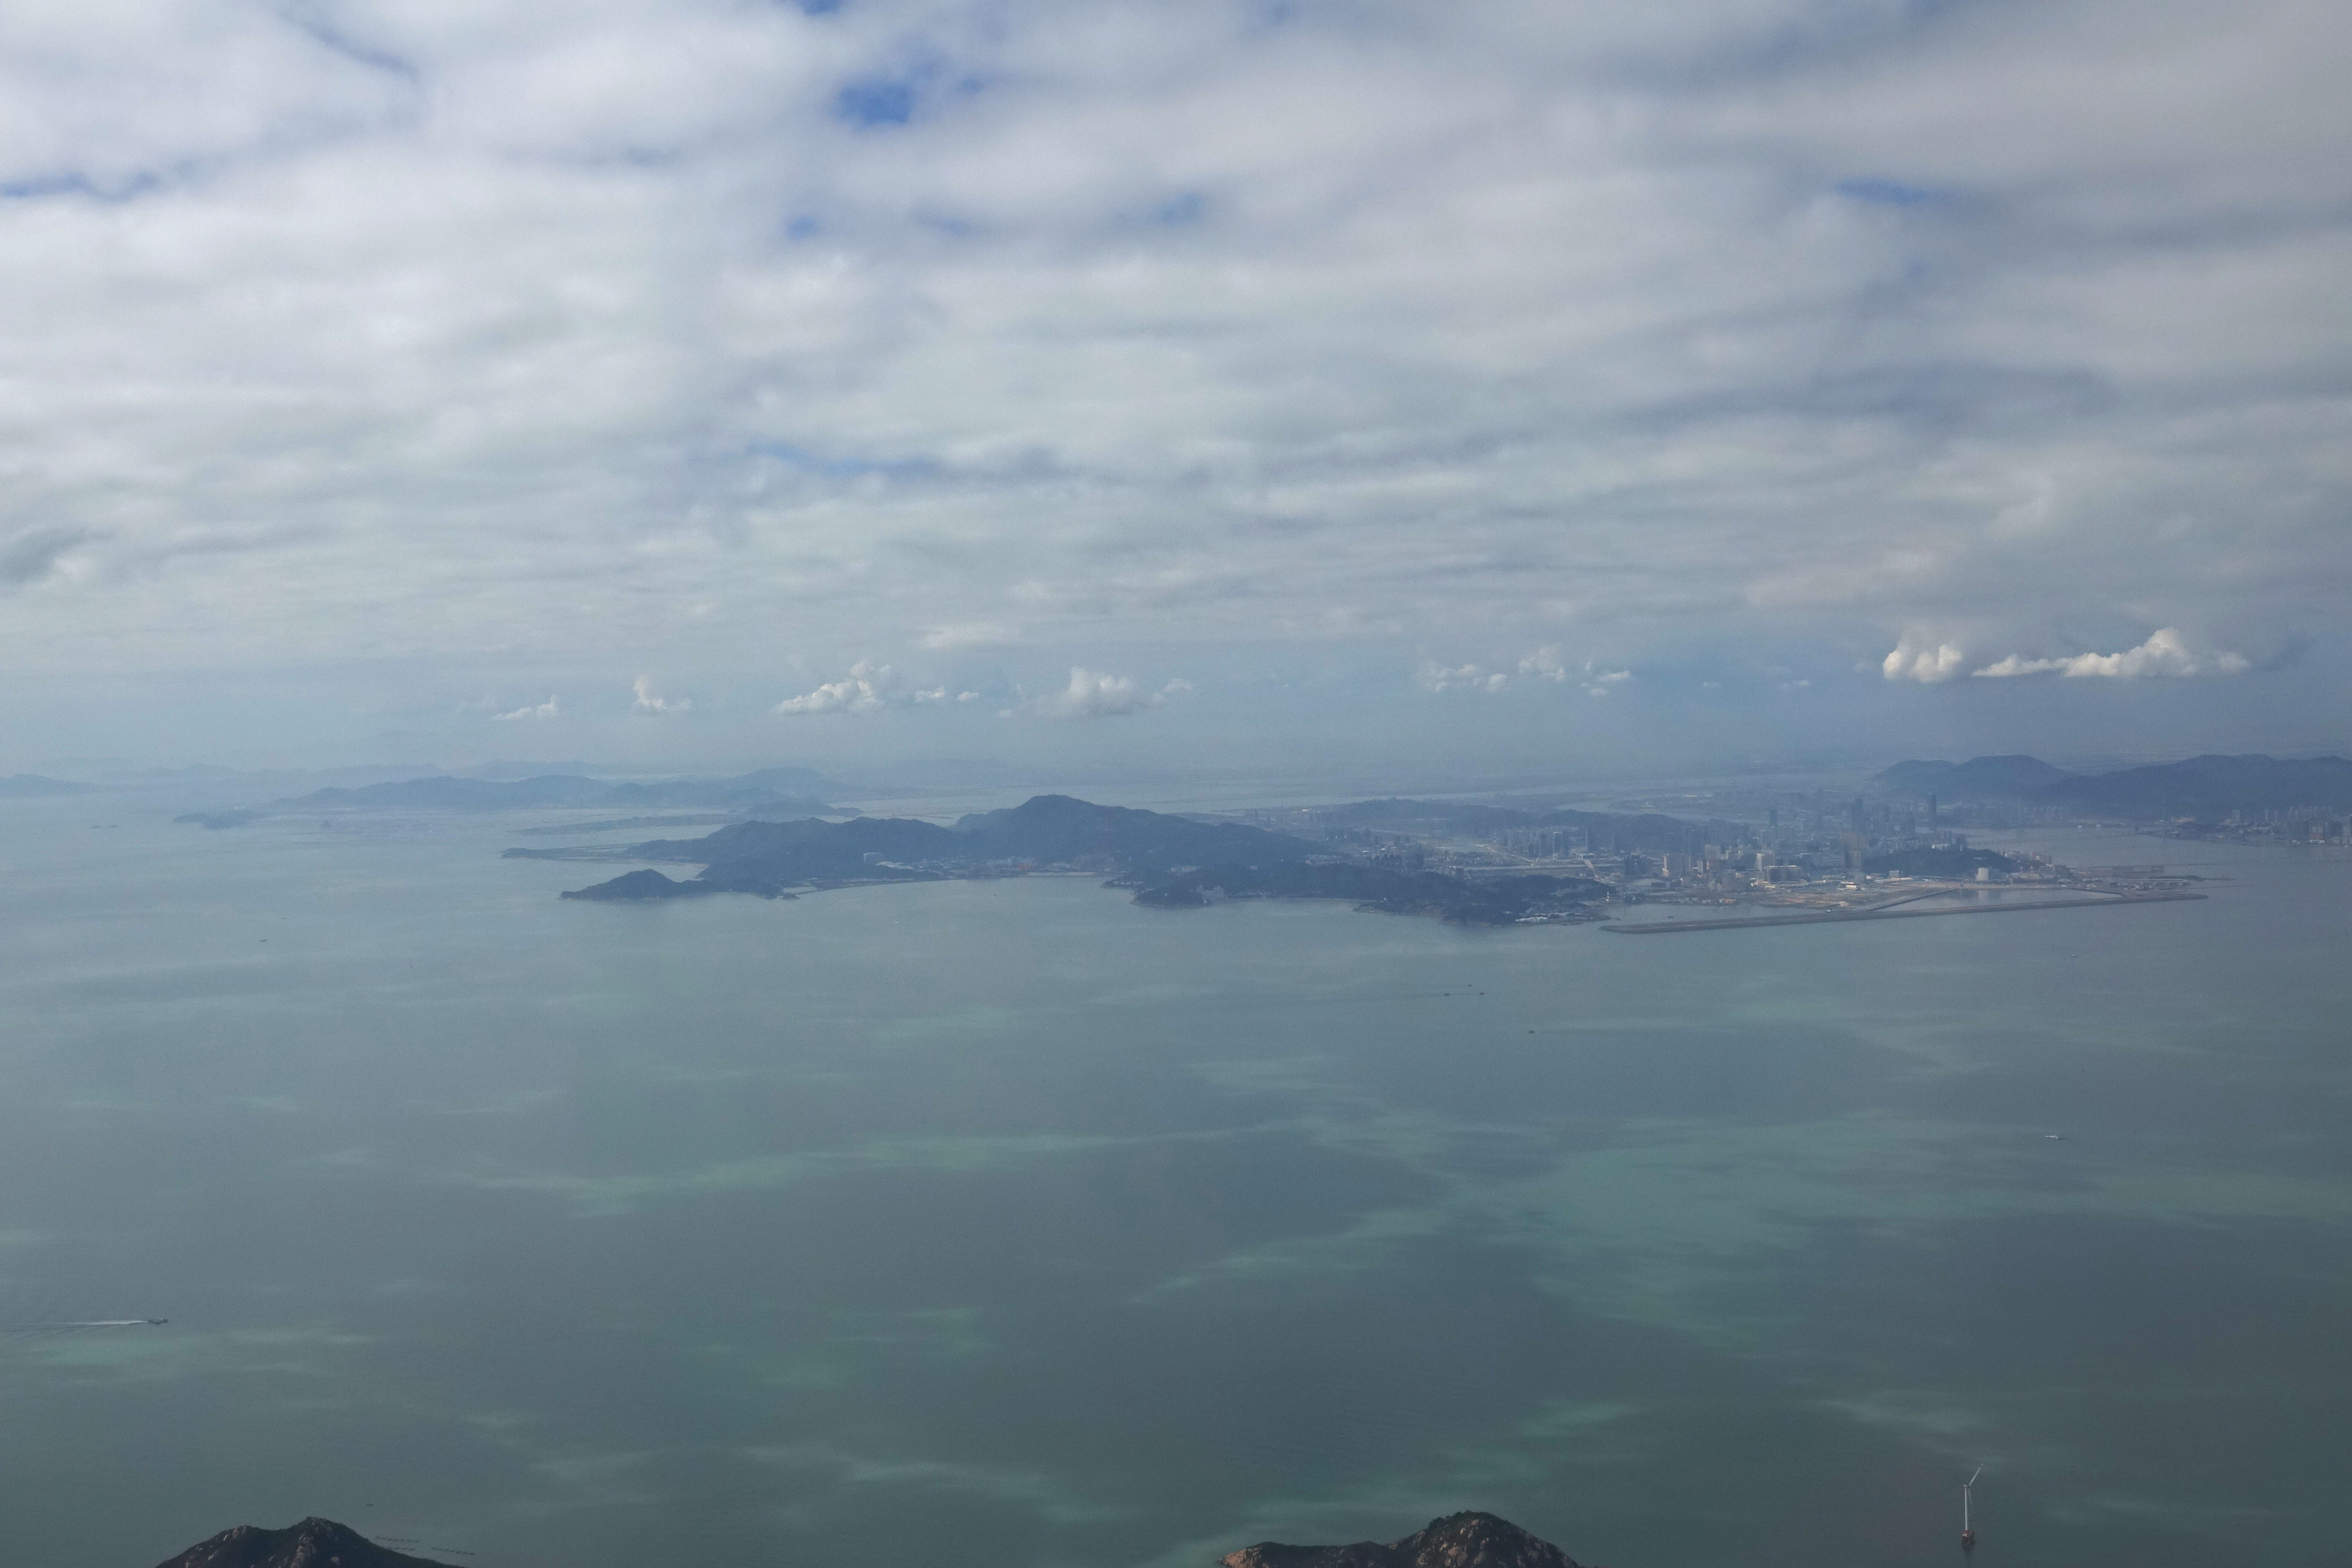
(1008, 1224)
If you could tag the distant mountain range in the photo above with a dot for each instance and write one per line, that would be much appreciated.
(1457, 1541)
(313, 1543)
(2206, 787)
(779, 792)
(1978, 779)
(2210, 786)
(28, 786)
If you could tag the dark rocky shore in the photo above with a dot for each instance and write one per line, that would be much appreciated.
(1457, 1541)
(313, 1543)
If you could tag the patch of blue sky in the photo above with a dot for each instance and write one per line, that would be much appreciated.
(801, 226)
(875, 101)
(838, 468)
(1188, 207)
(1883, 192)
(951, 224)
(69, 183)
(331, 37)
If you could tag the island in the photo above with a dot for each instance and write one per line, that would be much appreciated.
(35, 786)
(1168, 861)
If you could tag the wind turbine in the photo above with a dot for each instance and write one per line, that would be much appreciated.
(1968, 1533)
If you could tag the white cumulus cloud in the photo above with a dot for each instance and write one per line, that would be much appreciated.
(547, 710)
(1092, 694)
(1544, 664)
(651, 700)
(867, 687)
(1435, 677)
(2166, 654)
(1916, 660)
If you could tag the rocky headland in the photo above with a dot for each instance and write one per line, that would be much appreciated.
(313, 1543)
(1457, 1541)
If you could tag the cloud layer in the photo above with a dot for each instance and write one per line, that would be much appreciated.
(716, 334)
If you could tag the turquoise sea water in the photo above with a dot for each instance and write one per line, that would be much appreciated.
(1009, 1224)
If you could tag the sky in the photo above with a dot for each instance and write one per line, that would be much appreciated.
(1586, 387)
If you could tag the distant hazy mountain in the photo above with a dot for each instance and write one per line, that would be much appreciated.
(1978, 779)
(24, 786)
(1457, 1541)
(764, 792)
(2209, 787)
(313, 1543)
(443, 792)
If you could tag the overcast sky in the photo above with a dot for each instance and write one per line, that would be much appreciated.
(1611, 381)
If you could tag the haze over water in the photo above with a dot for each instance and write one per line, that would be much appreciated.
(1012, 1224)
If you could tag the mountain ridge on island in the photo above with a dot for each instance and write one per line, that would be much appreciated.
(1456, 1540)
(1046, 830)
(313, 1543)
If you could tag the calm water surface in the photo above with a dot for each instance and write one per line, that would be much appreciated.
(1008, 1224)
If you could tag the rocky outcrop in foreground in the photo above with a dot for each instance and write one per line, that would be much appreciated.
(313, 1543)
(1457, 1541)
